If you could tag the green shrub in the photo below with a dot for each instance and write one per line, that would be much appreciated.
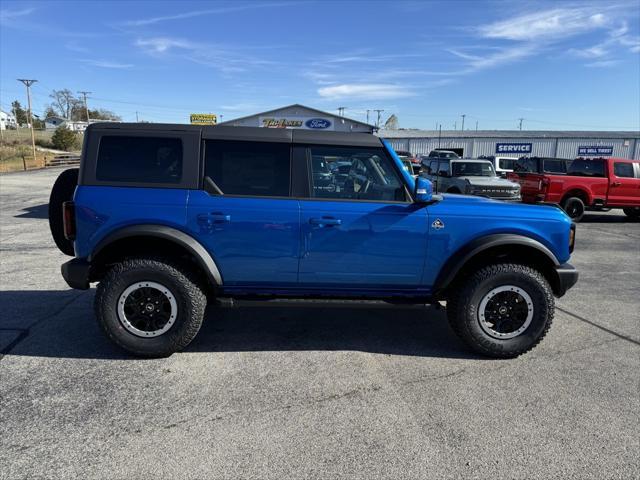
(65, 139)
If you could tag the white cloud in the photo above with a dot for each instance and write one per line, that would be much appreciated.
(497, 57)
(547, 24)
(221, 57)
(372, 91)
(602, 64)
(199, 13)
(7, 15)
(107, 64)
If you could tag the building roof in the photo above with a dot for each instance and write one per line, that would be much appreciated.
(414, 133)
(296, 105)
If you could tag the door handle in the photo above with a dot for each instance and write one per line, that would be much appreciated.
(213, 217)
(616, 184)
(325, 221)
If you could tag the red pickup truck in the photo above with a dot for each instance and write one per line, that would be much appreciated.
(581, 183)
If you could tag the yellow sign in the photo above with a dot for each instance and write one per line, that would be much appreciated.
(203, 119)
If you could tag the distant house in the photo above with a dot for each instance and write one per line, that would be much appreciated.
(7, 120)
(51, 123)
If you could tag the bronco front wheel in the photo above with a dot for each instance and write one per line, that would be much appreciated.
(502, 310)
(150, 307)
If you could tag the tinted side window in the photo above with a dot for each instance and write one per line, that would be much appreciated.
(434, 167)
(526, 164)
(260, 169)
(370, 175)
(623, 169)
(506, 163)
(555, 166)
(443, 168)
(139, 159)
(586, 168)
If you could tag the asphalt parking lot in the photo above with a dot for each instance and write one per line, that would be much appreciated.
(284, 390)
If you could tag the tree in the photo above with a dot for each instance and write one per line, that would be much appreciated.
(49, 112)
(64, 139)
(64, 103)
(19, 112)
(103, 114)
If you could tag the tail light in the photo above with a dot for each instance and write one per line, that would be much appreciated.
(69, 220)
(544, 184)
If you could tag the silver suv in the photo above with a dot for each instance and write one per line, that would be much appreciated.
(472, 177)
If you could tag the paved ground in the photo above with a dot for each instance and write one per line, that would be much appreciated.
(321, 390)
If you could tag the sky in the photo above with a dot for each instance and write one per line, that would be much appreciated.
(558, 65)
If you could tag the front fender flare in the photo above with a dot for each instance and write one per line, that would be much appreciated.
(202, 256)
(455, 263)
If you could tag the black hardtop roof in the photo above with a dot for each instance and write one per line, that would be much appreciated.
(255, 134)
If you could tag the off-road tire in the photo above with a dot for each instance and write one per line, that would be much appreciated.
(574, 207)
(463, 305)
(632, 212)
(62, 191)
(183, 284)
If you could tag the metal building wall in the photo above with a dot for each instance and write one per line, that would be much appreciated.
(568, 147)
(543, 147)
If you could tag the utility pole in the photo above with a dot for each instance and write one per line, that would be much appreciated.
(476, 125)
(520, 126)
(439, 134)
(455, 125)
(137, 121)
(463, 115)
(378, 111)
(28, 83)
(368, 116)
(86, 108)
(341, 111)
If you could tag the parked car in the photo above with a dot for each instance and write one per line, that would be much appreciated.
(166, 218)
(415, 161)
(442, 154)
(576, 185)
(502, 165)
(473, 177)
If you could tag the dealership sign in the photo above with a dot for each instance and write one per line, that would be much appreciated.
(513, 147)
(311, 123)
(596, 150)
(203, 119)
(318, 123)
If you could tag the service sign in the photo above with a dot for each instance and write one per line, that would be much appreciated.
(203, 119)
(514, 147)
(307, 123)
(605, 150)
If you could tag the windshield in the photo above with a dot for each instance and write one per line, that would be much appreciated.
(473, 169)
(406, 163)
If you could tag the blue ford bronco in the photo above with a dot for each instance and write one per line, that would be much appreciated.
(167, 218)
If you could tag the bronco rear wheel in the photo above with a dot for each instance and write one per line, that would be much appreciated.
(502, 310)
(62, 191)
(151, 307)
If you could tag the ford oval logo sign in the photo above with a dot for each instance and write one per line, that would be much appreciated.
(317, 123)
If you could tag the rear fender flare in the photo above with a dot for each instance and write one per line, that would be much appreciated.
(202, 256)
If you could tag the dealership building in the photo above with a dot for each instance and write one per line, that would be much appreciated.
(468, 143)
(299, 116)
(517, 143)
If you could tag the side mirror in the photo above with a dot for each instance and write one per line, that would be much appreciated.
(424, 190)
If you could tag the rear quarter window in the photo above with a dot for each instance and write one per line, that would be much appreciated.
(586, 168)
(622, 169)
(556, 166)
(130, 159)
